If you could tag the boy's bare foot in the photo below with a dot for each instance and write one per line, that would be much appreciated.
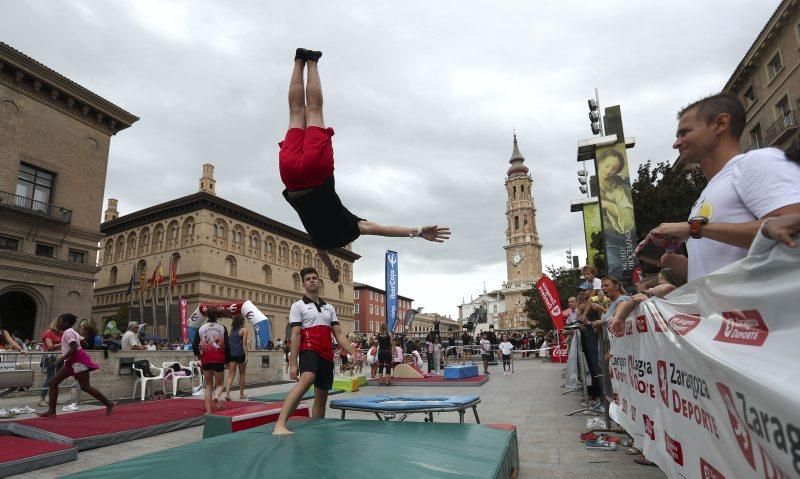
(46, 414)
(218, 403)
(110, 407)
(281, 431)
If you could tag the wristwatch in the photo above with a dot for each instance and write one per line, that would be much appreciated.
(695, 224)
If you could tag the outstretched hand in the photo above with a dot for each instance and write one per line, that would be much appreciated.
(782, 229)
(435, 233)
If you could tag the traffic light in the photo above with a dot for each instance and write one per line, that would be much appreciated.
(594, 116)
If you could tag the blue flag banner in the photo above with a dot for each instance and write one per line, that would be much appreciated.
(391, 289)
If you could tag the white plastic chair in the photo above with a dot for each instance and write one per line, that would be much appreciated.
(168, 368)
(141, 379)
(197, 373)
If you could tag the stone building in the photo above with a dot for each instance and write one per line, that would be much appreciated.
(523, 250)
(370, 308)
(54, 142)
(767, 80)
(426, 322)
(223, 252)
(492, 303)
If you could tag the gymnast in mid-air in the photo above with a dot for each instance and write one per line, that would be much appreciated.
(306, 168)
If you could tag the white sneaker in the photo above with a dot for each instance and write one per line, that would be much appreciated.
(6, 414)
(71, 407)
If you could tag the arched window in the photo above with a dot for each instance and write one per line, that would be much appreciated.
(341, 292)
(112, 276)
(267, 274)
(338, 266)
(346, 273)
(131, 244)
(109, 251)
(283, 251)
(119, 251)
(269, 248)
(230, 266)
(221, 233)
(318, 262)
(296, 281)
(238, 238)
(144, 241)
(307, 258)
(296, 255)
(255, 244)
(173, 233)
(187, 235)
(158, 238)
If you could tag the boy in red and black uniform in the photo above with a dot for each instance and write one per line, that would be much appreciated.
(306, 167)
(312, 321)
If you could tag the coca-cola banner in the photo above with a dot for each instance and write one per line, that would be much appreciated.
(552, 301)
(705, 380)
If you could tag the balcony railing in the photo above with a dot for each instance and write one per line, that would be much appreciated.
(780, 129)
(38, 208)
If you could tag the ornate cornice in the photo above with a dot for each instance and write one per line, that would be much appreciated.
(205, 201)
(31, 78)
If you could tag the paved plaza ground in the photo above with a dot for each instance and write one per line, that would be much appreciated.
(531, 399)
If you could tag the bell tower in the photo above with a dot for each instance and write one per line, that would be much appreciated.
(523, 250)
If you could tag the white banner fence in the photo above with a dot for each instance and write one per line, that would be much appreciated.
(705, 380)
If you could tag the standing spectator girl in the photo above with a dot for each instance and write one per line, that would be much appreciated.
(372, 359)
(385, 348)
(212, 346)
(505, 349)
(51, 343)
(437, 353)
(239, 339)
(77, 363)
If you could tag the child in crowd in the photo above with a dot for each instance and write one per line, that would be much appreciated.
(505, 348)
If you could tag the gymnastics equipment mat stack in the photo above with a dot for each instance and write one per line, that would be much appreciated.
(237, 419)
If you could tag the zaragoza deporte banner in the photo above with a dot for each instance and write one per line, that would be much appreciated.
(706, 380)
(616, 208)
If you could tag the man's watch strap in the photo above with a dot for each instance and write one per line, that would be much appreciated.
(695, 226)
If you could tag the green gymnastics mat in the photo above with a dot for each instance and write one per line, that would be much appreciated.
(334, 448)
(277, 397)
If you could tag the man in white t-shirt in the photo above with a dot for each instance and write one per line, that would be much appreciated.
(505, 349)
(743, 189)
(130, 340)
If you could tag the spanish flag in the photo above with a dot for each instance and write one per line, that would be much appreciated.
(158, 276)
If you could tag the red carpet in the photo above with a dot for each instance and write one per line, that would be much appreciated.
(18, 455)
(89, 429)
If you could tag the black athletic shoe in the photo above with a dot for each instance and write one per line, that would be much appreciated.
(301, 54)
(313, 56)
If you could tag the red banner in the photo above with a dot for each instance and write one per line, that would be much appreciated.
(224, 309)
(552, 301)
(184, 314)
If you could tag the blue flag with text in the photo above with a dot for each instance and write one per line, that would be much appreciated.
(391, 289)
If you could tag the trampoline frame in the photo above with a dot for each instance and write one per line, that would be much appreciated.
(389, 414)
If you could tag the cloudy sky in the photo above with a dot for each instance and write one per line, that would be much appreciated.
(423, 96)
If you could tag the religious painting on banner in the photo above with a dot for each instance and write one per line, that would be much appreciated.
(616, 211)
(591, 225)
(702, 378)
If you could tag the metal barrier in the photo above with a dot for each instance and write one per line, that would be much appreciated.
(15, 376)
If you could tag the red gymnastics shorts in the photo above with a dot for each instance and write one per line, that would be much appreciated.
(306, 157)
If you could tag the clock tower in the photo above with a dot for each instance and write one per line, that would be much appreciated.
(523, 250)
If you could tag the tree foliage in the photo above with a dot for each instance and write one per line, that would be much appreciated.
(566, 281)
(662, 194)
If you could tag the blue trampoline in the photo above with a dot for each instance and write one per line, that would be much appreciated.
(389, 406)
